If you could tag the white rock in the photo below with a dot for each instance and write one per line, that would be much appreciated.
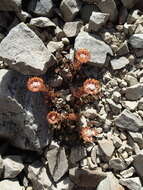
(119, 63)
(131, 105)
(42, 22)
(128, 172)
(97, 20)
(54, 46)
(71, 29)
(134, 92)
(133, 183)
(10, 185)
(12, 166)
(136, 41)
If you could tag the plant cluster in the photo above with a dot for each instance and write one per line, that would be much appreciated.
(69, 114)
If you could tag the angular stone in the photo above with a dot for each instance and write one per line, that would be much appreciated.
(71, 29)
(10, 185)
(136, 41)
(41, 7)
(110, 183)
(123, 49)
(119, 63)
(107, 148)
(97, 20)
(128, 172)
(117, 164)
(129, 121)
(132, 183)
(21, 113)
(24, 51)
(57, 162)
(98, 49)
(86, 11)
(86, 177)
(134, 92)
(37, 174)
(77, 154)
(42, 22)
(115, 108)
(69, 9)
(131, 80)
(137, 163)
(131, 105)
(108, 6)
(55, 46)
(13, 165)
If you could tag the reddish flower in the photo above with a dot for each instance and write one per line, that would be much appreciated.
(54, 117)
(91, 86)
(88, 133)
(82, 55)
(36, 84)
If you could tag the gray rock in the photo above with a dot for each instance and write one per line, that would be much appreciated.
(129, 121)
(137, 163)
(117, 164)
(86, 11)
(134, 92)
(41, 7)
(69, 9)
(13, 165)
(24, 51)
(132, 183)
(110, 183)
(129, 3)
(98, 49)
(77, 154)
(42, 22)
(57, 162)
(86, 177)
(131, 80)
(136, 41)
(137, 137)
(10, 185)
(54, 46)
(139, 29)
(117, 141)
(108, 6)
(123, 49)
(128, 172)
(37, 174)
(21, 113)
(116, 96)
(119, 63)
(97, 20)
(71, 29)
(107, 148)
(115, 108)
(131, 105)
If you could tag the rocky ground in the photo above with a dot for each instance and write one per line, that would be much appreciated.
(40, 38)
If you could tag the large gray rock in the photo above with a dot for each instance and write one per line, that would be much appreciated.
(57, 162)
(98, 49)
(41, 7)
(24, 51)
(10, 185)
(110, 183)
(21, 113)
(136, 41)
(13, 165)
(129, 121)
(69, 9)
(117, 164)
(38, 176)
(97, 20)
(108, 6)
(134, 92)
(86, 177)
